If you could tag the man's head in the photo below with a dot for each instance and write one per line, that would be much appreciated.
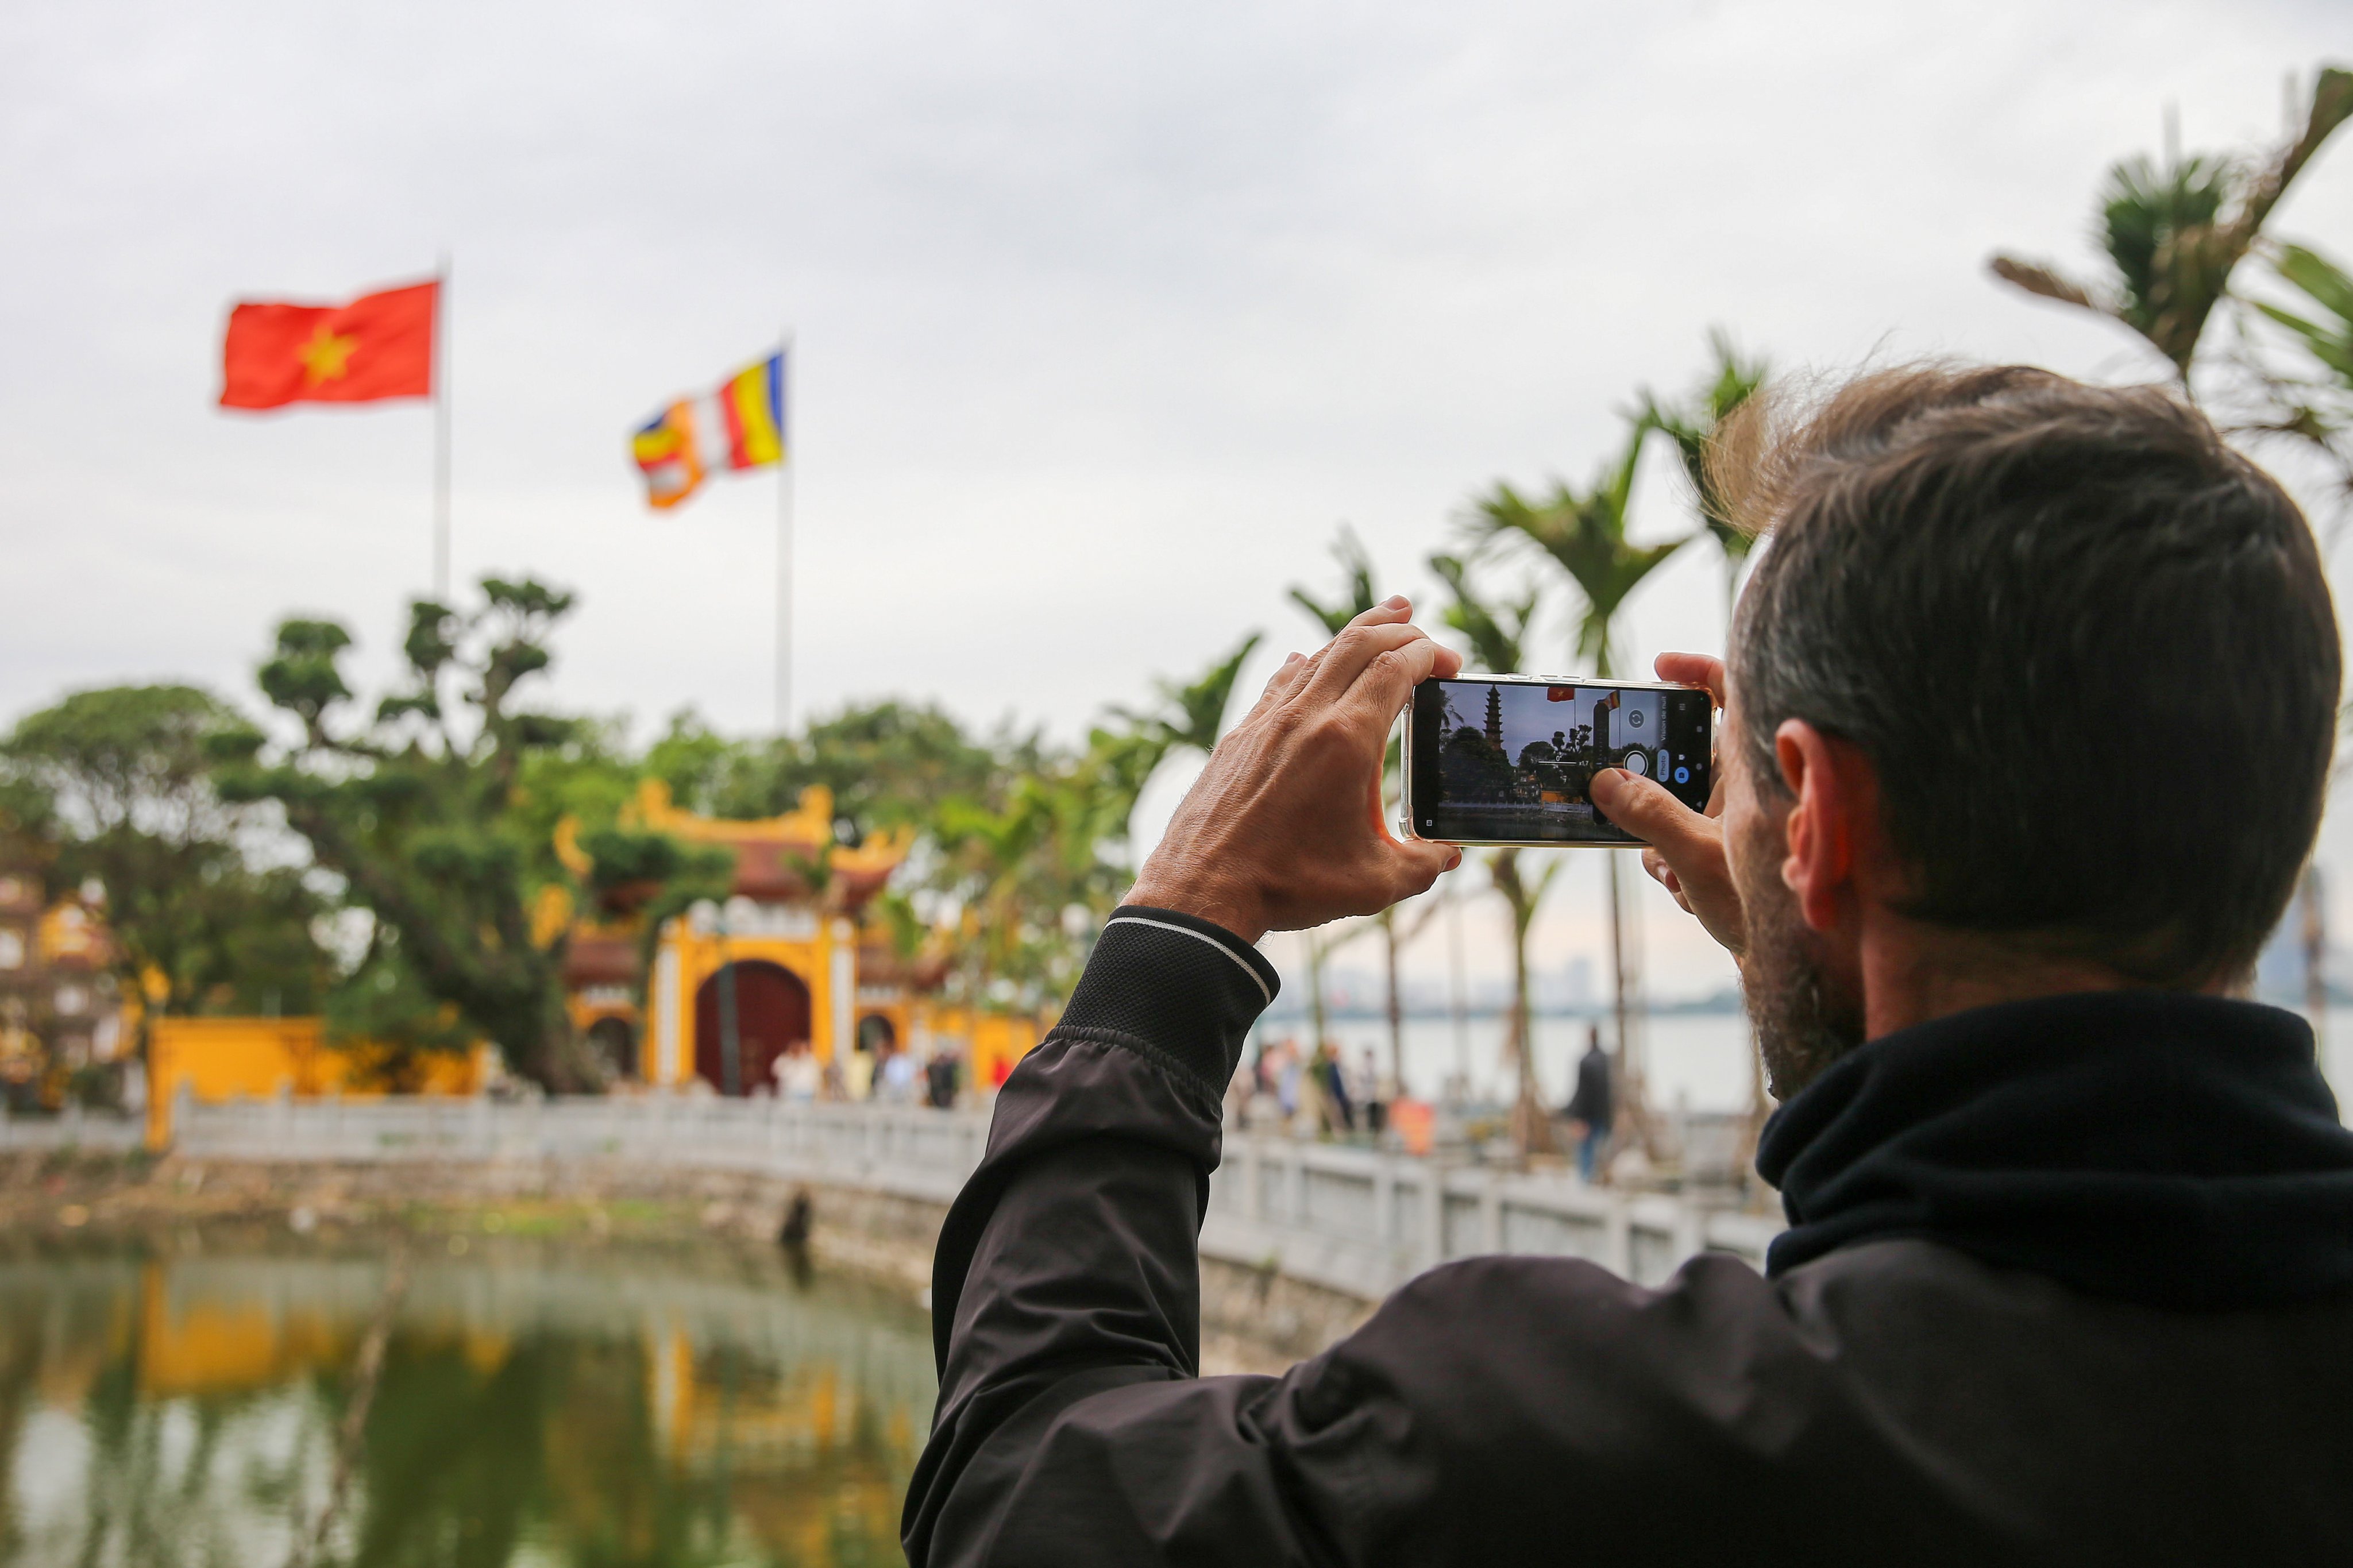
(2044, 666)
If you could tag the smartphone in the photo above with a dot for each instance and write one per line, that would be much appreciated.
(1506, 758)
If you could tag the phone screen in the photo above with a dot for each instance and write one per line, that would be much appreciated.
(1507, 758)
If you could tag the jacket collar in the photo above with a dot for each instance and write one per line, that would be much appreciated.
(2176, 1150)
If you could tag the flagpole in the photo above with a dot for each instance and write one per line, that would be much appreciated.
(785, 542)
(441, 433)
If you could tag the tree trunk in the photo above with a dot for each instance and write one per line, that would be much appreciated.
(1752, 1128)
(538, 1044)
(1531, 1127)
(1396, 1001)
(1458, 1002)
(1617, 976)
(1316, 956)
(1633, 1117)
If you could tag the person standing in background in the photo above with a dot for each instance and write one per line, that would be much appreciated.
(1367, 1091)
(1592, 1105)
(858, 1073)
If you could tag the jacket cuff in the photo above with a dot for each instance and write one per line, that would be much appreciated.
(1184, 989)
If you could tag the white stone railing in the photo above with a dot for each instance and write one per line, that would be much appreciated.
(1365, 1221)
(1354, 1220)
(70, 1129)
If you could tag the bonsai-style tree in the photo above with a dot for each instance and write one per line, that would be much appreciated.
(414, 806)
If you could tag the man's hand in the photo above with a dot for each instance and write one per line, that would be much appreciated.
(1686, 849)
(1284, 829)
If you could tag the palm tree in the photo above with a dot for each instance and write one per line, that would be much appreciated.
(2313, 405)
(1193, 713)
(1026, 868)
(2328, 330)
(2173, 232)
(1692, 425)
(1585, 533)
(1497, 631)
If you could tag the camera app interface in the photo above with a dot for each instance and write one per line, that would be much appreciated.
(1513, 760)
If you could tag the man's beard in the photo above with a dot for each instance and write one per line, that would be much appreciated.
(1805, 1019)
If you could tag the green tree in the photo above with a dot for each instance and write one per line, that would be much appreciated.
(123, 774)
(1192, 714)
(1584, 532)
(2311, 401)
(2174, 232)
(1001, 866)
(2324, 327)
(888, 764)
(415, 806)
(1032, 873)
(1357, 595)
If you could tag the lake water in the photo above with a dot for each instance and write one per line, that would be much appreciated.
(1701, 1060)
(531, 1410)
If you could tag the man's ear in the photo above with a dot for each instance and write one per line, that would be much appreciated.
(1833, 814)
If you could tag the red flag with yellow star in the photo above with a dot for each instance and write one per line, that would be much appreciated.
(380, 345)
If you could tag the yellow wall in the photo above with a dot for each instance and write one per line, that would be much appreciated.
(228, 1058)
(989, 1041)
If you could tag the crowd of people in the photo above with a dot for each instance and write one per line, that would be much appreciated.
(1313, 1093)
(884, 1074)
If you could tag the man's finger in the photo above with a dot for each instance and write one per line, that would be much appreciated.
(1693, 669)
(1348, 654)
(1389, 679)
(1643, 808)
(1278, 684)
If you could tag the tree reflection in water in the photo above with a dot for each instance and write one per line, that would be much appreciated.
(598, 1411)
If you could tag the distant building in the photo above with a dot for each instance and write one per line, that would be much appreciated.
(60, 1006)
(792, 958)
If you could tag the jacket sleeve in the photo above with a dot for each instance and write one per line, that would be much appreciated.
(1071, 1424)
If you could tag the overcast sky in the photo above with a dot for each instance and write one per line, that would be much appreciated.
(1106, 318)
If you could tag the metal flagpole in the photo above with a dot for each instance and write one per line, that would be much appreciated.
(441, 433)
(785, 538)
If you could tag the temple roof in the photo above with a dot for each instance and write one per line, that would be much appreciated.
(778, 857)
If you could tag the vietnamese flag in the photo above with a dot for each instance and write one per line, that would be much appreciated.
(379, 345)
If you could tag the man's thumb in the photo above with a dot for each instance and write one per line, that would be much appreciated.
(1643, 807)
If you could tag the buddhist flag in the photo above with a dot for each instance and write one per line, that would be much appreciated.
(741, 425)
(380, 345)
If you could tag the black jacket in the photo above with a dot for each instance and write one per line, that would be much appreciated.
(2067, 1281)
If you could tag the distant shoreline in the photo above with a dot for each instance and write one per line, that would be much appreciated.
(1728, 1006)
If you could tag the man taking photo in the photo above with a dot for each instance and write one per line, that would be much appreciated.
(2028, 713)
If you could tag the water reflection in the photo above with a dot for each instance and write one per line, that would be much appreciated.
(593, 1410)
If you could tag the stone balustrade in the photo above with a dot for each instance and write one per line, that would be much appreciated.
(1353, 1220)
